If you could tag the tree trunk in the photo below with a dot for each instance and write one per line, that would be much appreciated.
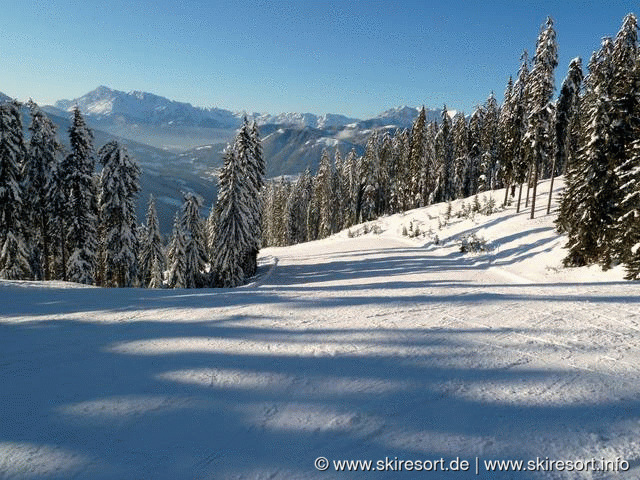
(526, 203)
(553, 171)
(506, 194)
(535, 187)
(519, 198)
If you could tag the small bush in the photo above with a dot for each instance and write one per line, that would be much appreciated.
(473, 244)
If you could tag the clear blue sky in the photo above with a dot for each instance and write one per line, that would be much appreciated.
(352, 57)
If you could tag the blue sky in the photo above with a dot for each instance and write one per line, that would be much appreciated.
(351, 57)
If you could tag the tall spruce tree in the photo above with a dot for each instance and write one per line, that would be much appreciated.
(176, 258)
(324, 196)
(41, 191)
(119, 187)
(81, 240)
(418, 166)
(195, 250)
(152, 255)
(233, 236)
(567, 108)
(14, 256)
(587, 207)
(520, 148)
(624, 132)
(541, 86)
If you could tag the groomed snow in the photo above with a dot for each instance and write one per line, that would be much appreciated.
(363, 347)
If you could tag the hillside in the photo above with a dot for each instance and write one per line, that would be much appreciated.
(363, 346)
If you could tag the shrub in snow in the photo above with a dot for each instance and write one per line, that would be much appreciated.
(473, 243)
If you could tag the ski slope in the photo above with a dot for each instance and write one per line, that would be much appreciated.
(364, 347)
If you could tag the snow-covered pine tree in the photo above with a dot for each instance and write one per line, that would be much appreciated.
(367, 166)
(41, 187)
(119, 187)
(324, 195)
(418, 167)
(587, 208)
(81, 215)
(541, 85)
(152, 255)
(234, 230)
(212, 221)
(505, 142)
(431, 162)
(444, 156)
(176, 258)
(249, 151)
(400, 180)
(475, 152)
(339, 192)
(14, 256)
(628, 243)
(566, 109)
(268, 220)
(460, 140)
(621, 237)
(156, 275)
(385, 174)
(520, 114)
(195, 250)
(489, 144)
(292, 220)
(351, 185)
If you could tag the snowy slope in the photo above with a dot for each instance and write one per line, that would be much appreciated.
(349, 348)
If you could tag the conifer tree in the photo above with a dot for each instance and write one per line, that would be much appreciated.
(628, 225)
(41, 189)
(324, 196)
(81, 215)
(487, 167)
(624, 131)
(351, 185)
(541, 86)
(400, 182)
(460, 140)
(195, 250)
(565, 111)
(339, 193)
(233, 236)
(444, 158)
(520, 148)
(152, 255)
(367, 166)
(119, 187)
(506, 141)
(418, 166)
(176, 257)
(249, 151)
(476, 126)
(587, 208)
(14, 256)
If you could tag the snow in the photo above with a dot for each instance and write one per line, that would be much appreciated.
(363, 347)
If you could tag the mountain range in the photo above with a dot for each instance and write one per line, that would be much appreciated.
(179, 146)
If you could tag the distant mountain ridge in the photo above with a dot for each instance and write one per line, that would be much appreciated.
(106, 104)
(179, 146)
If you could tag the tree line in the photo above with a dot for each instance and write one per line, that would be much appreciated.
(62, 220)
(590, 133)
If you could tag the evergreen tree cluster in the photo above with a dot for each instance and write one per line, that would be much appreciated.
(600, 209)
(495, 147)
(60, 220)
(590, 133)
